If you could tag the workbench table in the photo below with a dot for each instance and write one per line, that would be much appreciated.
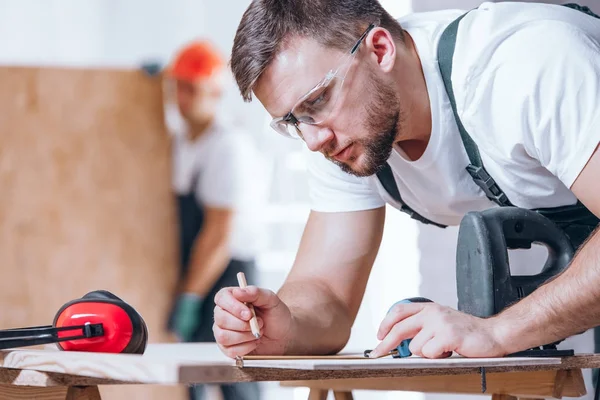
(52, 374)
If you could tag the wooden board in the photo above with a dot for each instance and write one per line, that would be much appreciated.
(393, 363)
(549, 384)
(203, 362)
(159, 365)
(86, 202)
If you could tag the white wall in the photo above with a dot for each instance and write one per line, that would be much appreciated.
(95, 32)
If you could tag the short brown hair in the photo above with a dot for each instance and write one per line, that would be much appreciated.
(266, 24)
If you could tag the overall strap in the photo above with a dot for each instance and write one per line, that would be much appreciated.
(576, 220)
(476, 169)
(386, 177)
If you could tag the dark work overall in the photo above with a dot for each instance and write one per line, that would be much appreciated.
(191, 218)
(575, 220)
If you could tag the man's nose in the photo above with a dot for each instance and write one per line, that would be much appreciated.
(316, 136)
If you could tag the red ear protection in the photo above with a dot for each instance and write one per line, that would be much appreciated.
(97, 322)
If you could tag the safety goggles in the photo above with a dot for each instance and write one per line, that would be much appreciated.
(315, 107)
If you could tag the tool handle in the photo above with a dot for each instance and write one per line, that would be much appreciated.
(484, 280)
(521, 228)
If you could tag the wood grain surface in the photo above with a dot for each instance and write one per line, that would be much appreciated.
(160, 364)
(171, 363)
(334, 363)
(86, 201)
(28, 393)
(83, 393)
(550, 384)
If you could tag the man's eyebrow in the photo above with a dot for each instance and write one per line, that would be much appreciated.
(290, 99)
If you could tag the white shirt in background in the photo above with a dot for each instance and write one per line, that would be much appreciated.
(527, 83)
(225, 170)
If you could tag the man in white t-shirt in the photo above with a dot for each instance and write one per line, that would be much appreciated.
(220, 188)
(366, 94)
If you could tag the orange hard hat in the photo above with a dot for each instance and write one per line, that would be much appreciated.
(198, 59)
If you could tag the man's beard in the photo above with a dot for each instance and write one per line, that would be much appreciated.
(383, 122)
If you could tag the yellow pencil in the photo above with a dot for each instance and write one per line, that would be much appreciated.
(253, 321)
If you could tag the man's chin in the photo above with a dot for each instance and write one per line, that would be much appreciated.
(359, 169)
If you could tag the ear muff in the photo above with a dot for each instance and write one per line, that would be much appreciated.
(124, 330)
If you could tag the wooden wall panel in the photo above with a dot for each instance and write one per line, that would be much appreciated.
(85, 199)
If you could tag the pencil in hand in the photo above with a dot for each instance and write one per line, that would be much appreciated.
(253, 321)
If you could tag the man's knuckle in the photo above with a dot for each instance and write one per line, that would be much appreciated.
(221, 336)
(218, 318)
(428, 353)
(435, 308)
(230, 353)
(453, 332)
(396, 309)
(219, 295)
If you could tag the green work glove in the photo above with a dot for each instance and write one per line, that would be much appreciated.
(187, 316)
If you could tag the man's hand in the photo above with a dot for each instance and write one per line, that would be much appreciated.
(437, 331)
(232, 321)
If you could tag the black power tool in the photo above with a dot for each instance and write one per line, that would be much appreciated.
(484, 281)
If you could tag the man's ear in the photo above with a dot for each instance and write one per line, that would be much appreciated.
(381, 44)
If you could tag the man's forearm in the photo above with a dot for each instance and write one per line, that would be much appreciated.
(209, 259)
(568, 305)
(321, 323)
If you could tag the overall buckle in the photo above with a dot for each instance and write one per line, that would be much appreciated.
(488, 185)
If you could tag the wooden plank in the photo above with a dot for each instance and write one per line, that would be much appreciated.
(342, 395)
(83, 393)
(559, 383)
(27, 393)
(317, 394)
(351, 356)
(93, 142)
(160, 364)
(25, 377)
(573, 385)
(503, 397)
(392, 363)
(533, 383)
(204, 363)
(85, 173)
(10, 376)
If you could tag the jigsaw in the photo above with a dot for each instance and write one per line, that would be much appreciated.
(485, 283)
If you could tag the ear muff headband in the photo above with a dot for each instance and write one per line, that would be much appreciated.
(101, 294)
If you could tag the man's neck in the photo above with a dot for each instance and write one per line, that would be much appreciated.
(416, 128)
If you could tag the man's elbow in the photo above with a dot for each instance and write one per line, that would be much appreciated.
(342, 337)
(341, 328)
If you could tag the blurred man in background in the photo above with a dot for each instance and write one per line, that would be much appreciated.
(216, 180)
